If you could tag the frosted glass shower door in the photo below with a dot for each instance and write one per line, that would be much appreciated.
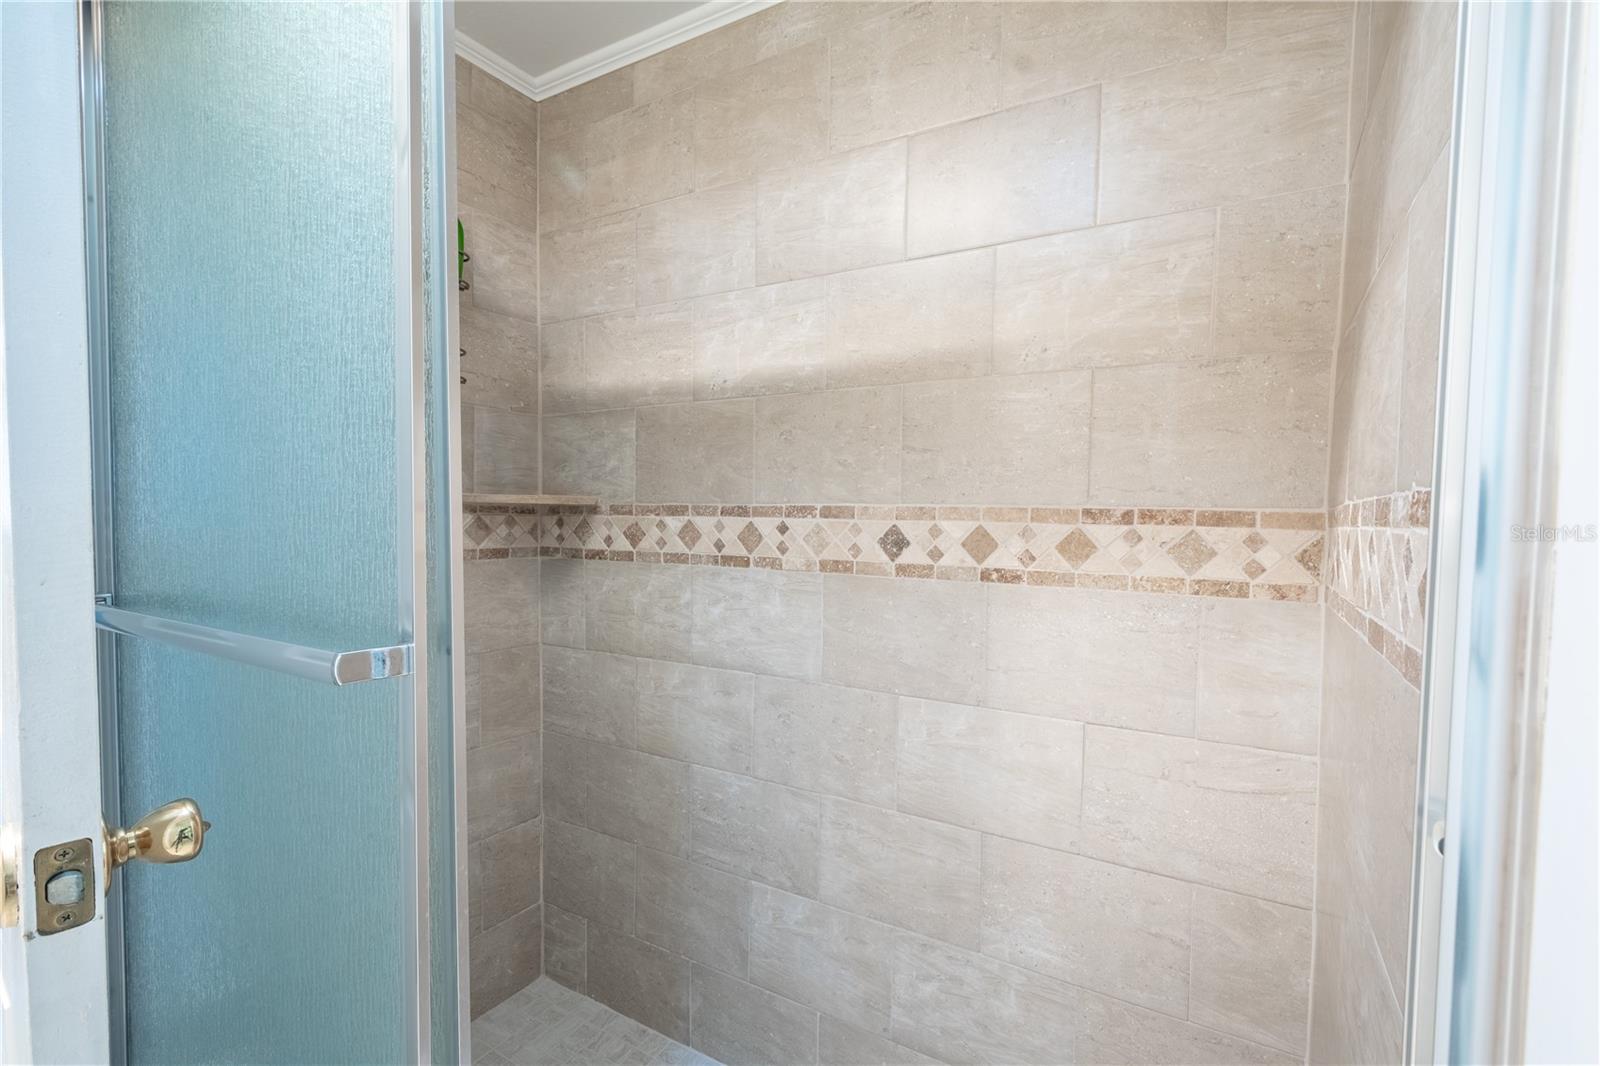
(257, 184)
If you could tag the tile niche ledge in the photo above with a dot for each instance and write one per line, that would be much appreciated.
(475, 500)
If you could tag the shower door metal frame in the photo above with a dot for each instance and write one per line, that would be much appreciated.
(412, 385)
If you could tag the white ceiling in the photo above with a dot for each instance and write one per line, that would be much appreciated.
(545, 46)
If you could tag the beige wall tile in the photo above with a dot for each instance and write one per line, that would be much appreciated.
(840, 1044)
(1019, 775)
(500, 598)
(1419, 380)
(642, 981)
(698, 452)
(1273, 18)
(1021, 439)
(917, 67)
(1367, 400)
(505, 451)
(624, 794)
(1116, 658)
(1252, 968)
(638, 609)
(1249, 432)
(696, 714)
(591, 455)
(504, 271)
(501, 366)
(915, 638)
(754, 829)
(697, 244)
(1235, 818)
(962, 1007)
(1255, 120)
(907, 871)
(505, 959)
(590, 875)
(824, 738)
(638, 156)
(499, 155)
(741, 1025)
(1113, 1031)
(563, 181)
(694, 911)
(747, 119)
(1260, 677)
(588, 269)
(502, 785)
(566, 948)
(563, 378)
(1134, 292)
(508, 872)
(685, 65)
(591, 694)
(494, 97)
(759, 341)
(832, 960)
(914, 321)
(763, 620)
(1115, 930)
(639, 357)
(1278, 266)
(586, 103)
(838, 445)
(1050, 48)
(561, 602)
(502, 692)
(1355, 1017)
(839, 213)
(1013, 174)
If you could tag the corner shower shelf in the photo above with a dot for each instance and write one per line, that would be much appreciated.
(506, 499)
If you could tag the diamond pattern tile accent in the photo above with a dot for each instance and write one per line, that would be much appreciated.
(893, 542)
(980, 544)
(1192, 552)
(750, 537)
(1076, 547)
(689, 533)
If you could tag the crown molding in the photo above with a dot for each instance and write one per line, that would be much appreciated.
(657, 38)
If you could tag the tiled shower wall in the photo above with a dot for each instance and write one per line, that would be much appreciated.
(497, 141)
(839, 286)
(1379, 479)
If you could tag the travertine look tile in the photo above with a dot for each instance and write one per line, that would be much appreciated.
(913, 321)
(1278, 273)
(1113, 1031)
(685, 65)
(505, 268)
(1252, 968)
(640, 980)
(739, 1024)
(696, 714)
(1002, 177)
(502, 785)
(502, 692)
(1023, 439)
(1134, 292)
(589, 268)
(566, 947)
(1355, 1017)
(1260, 676)
(639, 357)
(490, 95)
(586, 103)
(749, 118)
(824, 738)
(1050, 48)
(590, 454)
(915, 638)
(1235, 818)
(625, 794)
(697, 244)
(754, 829)
(1366, 407)
(505, 451)
(505, 959)
(832, 960)
(1115, 930)
(1419, 380)
(839, 213)
(693, 910)
(640, 155)
(917, 67)
(763, 620)
(502, 364)
(1068, 653)
(508, 869)
(758, 341)
(1019, 775)
(560, 603)
(500, 603)
(1252, 121)
(563, 377)
(837, 445)
(962, 1007)
(563, 181)
(590, 875)
(907, 871)
(638, 609)
(840, 1044)
(1273, 18)
(696, 451)
(1235, 433)
(591, 694)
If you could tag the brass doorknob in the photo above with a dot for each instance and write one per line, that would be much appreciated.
(173, 832)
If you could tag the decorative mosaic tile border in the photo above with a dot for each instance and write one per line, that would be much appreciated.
(1273, 555)
(1378, 573)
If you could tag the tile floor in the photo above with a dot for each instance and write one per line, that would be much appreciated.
(547, 1024)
